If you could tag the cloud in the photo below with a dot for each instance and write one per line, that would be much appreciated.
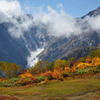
(58, 22)
(94, 23)
(10, 7)
(18, 28)
(11, 11)
(90, 23)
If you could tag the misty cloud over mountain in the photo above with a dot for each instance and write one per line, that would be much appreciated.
(25, 36)
(11, 10)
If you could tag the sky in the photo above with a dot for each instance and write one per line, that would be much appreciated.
(76, 8)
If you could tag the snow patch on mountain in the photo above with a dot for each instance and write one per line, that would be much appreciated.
(33, 58)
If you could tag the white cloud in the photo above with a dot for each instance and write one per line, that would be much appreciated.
(58, 22)
(10, 10)
(19, 27)
(10, 7)
(94, 23)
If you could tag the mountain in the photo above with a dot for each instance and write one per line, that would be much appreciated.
(93, 13)
(76, 45)
(18, 49)
(23, 41)
(10, 48)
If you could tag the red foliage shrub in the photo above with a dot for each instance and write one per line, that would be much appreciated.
(2, 79)
(49, 73)
(57, 74)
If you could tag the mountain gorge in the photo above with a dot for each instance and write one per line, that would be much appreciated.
(23, 41)
(19, 50)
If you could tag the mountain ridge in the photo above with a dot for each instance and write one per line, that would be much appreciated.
(17, 50)
(74, 43)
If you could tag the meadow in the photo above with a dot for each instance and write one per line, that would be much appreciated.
(84, 87)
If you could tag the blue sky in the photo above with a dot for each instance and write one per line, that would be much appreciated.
(73, 7)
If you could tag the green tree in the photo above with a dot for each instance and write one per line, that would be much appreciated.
(95, 53)
(70, 62)
(50, 66)
(39, 67)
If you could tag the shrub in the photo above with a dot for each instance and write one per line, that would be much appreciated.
(65, 74)
(60, 64)
(57, 74)
(95, 53)
(2, 79)
(83, 65)
(18, 82)
(48, 75)
(26, 75)
(68, 74)
(9, 82)
(6, 84)
(26, 81)
(39, 67)
(87, 70)
(98, 67)
(41, 78)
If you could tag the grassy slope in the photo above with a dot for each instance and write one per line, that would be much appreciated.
(69, 89)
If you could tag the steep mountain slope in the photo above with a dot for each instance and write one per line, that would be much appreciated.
(22, 40)
(18, 49)
(82, 43)
(93, 13)
(10, 48)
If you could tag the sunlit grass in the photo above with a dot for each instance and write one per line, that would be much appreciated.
(53, 89)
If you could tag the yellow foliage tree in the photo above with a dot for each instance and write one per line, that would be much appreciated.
(60, 64)
(26, 75)
(82, 65)
(95, 61)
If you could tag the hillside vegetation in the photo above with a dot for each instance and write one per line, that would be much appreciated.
(69, 79)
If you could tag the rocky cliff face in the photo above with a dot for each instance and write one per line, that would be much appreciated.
(76, 45)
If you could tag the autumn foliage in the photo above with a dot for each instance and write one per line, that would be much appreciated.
(44, 71)
(26, 75)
